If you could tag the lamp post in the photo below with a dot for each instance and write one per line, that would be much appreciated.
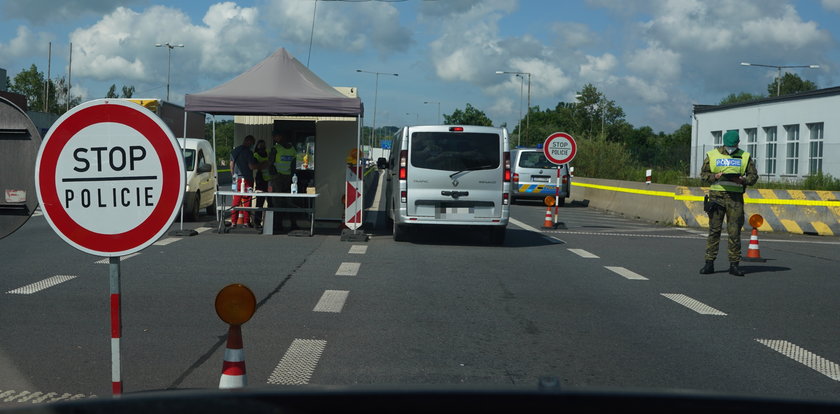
(438, 115)
(779, 69)
(169, 46)
(375, 98)
(527, 114)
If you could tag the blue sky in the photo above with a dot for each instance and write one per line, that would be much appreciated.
(655, 58)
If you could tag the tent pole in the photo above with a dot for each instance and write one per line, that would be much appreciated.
(216, 169)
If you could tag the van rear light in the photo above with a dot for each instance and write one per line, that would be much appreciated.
(507, 167)
(403, 196)
(456, 129)
(505, 198)
(403, 164)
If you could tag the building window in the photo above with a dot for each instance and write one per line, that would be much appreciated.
(792, 160)
(815, 148)
(718, 137)
(752, 141)
(770, 154)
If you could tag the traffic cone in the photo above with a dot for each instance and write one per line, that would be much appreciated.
(233, 368)
(753, 252)
(549, 222)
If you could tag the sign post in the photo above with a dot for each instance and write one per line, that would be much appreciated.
(110, 179)
(559, 148)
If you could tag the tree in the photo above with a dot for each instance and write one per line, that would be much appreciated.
(30, 83)
(127, 91)
(741, 97)
(469, 116)
(791, 83)
(595, 114)
(112, 92)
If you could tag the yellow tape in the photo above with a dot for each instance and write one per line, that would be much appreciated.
(747, 199)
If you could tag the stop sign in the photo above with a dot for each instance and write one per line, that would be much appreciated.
(560, 148)
(109, 177)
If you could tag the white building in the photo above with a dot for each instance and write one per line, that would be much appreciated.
(790, 136)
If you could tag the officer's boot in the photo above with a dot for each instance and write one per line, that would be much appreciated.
(708, 268)
(734, 270)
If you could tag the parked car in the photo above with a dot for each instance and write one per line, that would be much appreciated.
(535, 177)
(449, 175)
(200, 192)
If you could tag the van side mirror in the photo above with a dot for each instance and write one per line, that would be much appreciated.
(381, 163)
(205, 168)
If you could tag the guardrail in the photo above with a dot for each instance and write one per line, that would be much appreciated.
(792, 211)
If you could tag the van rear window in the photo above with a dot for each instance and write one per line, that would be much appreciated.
(535, 159)
(455, 151)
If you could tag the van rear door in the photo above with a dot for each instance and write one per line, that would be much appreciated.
(455, 175)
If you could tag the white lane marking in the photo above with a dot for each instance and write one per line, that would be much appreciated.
(38, 286)
(331, 301)
(804, 357)
(299, 362)
(200, 230)
(38, 397)
(168, 240)
(592, 233)
(37, 213)
(358, 249)
(348, 269)
(108, 259)
(628, 274)
(584, 254)
(693, 304)
(524, 226)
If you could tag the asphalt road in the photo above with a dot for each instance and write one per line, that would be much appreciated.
(608, 302)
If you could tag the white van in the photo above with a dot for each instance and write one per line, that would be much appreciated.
(200, 163)
(449, 175)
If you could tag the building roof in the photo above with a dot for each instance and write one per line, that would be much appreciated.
(816, 93)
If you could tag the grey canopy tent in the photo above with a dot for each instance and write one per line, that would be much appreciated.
(278, 85)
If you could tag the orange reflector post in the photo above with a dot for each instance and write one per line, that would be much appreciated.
(549, 201)
(235, 304)
(756, 220)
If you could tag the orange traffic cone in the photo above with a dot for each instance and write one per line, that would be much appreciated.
(233, 368)
(753, 252)
(549, 222)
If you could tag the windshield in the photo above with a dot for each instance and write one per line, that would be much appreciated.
(455, 151)
(189, 159)
(535, 159)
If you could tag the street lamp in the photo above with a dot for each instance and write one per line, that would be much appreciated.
(375, 97)
(438, 104)
(527, 114)
(779, 68)
(170, 46)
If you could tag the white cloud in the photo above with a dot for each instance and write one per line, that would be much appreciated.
(46, 11)
(351, 26)
(598, 67)
(24, 44)
(656, 62)
(574, 35)
(832, 5)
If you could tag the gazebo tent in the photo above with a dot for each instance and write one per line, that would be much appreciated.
(281, 85)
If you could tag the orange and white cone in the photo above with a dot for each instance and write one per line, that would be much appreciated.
(233, 368)
(549, 222)
(753, 252)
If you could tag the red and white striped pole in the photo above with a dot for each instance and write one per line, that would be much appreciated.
(116, 326)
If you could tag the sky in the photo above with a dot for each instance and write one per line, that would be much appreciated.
(654, 58)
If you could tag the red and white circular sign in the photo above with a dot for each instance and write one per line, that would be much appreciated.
(559, 148)
(109, 177)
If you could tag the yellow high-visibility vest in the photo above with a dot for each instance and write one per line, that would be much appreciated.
(728, 164)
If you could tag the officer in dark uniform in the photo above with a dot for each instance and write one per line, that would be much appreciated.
(728, 170)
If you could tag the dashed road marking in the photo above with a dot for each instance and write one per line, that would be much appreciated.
(524, 226)
(200, 230)
(332, 301)
(299, 362)
(627, 274)
(108, 259)
(168, 240)
(584, 254)
(804, 357)
(358, 249)
(593, 233)
(38, 397)
(693, 304)
(348, 269)
(38, 286)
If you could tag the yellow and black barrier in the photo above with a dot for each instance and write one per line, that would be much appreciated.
(792, 211)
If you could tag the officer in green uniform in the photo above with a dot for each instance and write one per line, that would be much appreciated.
(728, 170)
(284, 158)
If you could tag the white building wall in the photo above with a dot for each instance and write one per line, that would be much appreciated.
(804, 113)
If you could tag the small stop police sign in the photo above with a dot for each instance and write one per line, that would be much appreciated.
(109, 177)
(560, 148)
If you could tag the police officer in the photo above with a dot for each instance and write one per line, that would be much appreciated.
(728, 170)
(284, 158)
